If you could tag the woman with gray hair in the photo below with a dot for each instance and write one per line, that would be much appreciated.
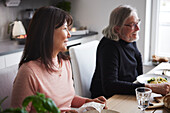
(119, 61)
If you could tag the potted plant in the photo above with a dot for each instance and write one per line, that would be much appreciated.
(39, 101)
(65, 5)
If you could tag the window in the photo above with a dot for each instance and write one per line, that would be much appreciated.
(160, 28)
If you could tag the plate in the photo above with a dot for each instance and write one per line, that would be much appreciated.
(143, 78)
(162, 71)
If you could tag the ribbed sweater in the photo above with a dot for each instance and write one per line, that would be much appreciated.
(118, 63)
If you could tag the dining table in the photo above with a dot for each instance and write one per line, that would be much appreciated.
(128, 103)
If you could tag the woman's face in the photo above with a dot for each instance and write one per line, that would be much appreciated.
(60, 39)
(129, 31)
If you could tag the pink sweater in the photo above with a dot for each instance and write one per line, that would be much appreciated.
(32, 77)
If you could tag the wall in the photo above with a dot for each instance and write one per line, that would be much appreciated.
(95, 15)
(9, 14)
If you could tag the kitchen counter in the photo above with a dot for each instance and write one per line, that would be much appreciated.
(12, 46)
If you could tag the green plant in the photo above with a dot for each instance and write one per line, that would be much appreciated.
(40, 103)
(1, 101)
(65, 5)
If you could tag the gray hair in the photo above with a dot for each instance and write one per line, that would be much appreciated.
(117, 18)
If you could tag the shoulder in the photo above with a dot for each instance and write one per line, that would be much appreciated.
(107, 41)
(26, 67)
(31, 67)
(135, 46)
(25, 74)
(108, 45)
(108, 49)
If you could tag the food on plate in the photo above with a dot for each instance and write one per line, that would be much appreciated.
(166, 101)
(156, 80)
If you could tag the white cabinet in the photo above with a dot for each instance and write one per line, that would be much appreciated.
(10, 59)
(2, 62)
(81, 40)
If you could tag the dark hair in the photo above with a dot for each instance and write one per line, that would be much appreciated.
(39, 42)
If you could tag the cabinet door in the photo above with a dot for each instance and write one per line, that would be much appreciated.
(81, 40)
(2, 62)
(89, 38)
(12, 59)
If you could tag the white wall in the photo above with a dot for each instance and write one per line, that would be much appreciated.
(95, 15)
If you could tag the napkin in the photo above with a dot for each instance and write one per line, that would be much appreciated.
(91, 106)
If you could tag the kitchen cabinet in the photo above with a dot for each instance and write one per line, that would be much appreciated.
(81, 40)
(10, 59)
(2, 62)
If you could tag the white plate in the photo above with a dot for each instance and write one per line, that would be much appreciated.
(160, 72)
(143, 78)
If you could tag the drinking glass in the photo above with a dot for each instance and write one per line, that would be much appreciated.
(143, 95)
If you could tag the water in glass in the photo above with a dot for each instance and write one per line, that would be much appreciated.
(143, 97)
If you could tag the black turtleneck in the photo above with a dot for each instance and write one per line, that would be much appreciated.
(118, 63)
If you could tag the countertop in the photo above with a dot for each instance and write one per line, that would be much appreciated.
(12, 46)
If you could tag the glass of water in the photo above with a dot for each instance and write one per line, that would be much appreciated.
(143, 95)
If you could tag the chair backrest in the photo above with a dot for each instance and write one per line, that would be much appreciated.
(7, 76)
(83, 60)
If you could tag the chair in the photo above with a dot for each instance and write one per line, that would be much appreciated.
(7, 76)
(83, 60)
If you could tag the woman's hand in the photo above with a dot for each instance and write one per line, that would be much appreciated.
(100, 99)
(162, 88)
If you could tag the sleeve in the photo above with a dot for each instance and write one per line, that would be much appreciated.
(78, 101)
(24, 85)
(109, 58)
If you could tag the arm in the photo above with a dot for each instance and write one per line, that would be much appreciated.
(138, 57)
(109, 58)
(163, 88)
(24, 85)
(79, 101)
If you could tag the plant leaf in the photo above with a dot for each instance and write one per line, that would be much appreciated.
(27, 100)
(3, 100)
(51, 106)
(40, 95)
(37, 103)
(15, 110)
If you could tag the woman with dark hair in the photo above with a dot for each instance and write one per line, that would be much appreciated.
(43, 67)
(119, 61)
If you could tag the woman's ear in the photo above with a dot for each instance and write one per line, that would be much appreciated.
(116, 29)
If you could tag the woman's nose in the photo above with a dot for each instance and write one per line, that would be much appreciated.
(69, 34)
